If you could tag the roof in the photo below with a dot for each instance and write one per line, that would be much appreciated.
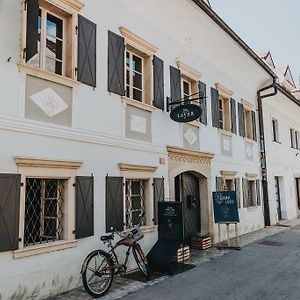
(215, 17)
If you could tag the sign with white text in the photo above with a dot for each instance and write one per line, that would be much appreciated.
(225, 207)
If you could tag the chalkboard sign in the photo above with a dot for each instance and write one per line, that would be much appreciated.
(170, 221)
(225, 207)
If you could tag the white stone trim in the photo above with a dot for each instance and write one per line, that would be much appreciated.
(22, 161)
(223, 91)
(42, 74)
(189, 71)
(44, 248)
(79, 135)
(247, 104)
(137, 42)
(140, 105)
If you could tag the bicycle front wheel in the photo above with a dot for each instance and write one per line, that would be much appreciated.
(141, 260)
(97, 273)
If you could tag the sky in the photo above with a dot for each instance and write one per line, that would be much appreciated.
(266, 25)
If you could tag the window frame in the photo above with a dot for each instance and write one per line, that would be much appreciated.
(275, 130)
(292, 138)
(248, 124)
(69, 11)
(131, 72)
(45, 169)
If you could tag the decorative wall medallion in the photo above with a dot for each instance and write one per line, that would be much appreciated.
(226, 144)
(49, 102)
(190, 136)
(249, 150)
(137, 124)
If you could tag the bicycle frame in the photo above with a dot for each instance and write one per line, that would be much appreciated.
(127, 242)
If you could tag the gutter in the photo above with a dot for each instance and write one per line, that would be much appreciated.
(233, 35)
(263, 157)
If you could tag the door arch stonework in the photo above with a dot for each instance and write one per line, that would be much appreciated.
(182, 160)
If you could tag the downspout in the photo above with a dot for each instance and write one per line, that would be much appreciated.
(263, 157)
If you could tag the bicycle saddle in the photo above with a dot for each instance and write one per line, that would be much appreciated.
(107, 237)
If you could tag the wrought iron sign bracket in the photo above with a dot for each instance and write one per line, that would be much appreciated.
(185, 100)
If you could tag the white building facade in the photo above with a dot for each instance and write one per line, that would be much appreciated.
(88, 143)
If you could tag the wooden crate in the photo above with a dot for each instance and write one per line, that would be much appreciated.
(201, 243)
(183, 254)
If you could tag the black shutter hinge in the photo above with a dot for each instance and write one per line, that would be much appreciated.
(73, 231)
(22, 184)
(20, 239)
(24, 53)
(74, 184)
(76, 29)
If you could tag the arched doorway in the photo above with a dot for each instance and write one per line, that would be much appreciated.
(187, 191)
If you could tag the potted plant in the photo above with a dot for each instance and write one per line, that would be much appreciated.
(201, 241)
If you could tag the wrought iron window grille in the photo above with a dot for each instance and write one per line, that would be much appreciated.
(43, 211)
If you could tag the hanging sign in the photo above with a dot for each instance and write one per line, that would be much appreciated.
(225, 207)
(186, 113)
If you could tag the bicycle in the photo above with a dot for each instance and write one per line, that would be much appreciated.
(100, 267)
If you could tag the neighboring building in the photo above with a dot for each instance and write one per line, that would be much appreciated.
(87, 142)
(282, 140)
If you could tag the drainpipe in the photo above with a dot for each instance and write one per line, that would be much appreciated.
(263, 157)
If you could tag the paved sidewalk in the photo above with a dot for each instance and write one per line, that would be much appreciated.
(122, 286)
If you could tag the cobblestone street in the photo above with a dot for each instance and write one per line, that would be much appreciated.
(123, 287)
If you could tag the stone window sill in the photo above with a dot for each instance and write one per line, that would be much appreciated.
(225, 132)
(44, 248)
(138, 104)
(249, 140)
(39, 73)
(252, 208)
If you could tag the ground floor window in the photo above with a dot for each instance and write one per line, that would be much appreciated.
(44, 203)
(135, 202)
(251, 193)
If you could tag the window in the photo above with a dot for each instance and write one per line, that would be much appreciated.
(224, 114)
(186, 89)
(134, 76)
(44, 202)
(275, 130)
(251, 193)
(229, 185)
(51, 43)
(135, 202)
(297, 139)
(248, 124)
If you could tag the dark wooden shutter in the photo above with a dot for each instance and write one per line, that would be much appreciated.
(87, 37)
(219, 184)
(32, 34)
(114, 203)
(254, 125)
(233, 115)
(202, 90)
(241, 119)
(84, 206)
(158, 83)
(245, 193)
(238, 191)
(9, 211)
(175, 84)
(258, 192)
(158, 195)
(215, 113)
(116, 56)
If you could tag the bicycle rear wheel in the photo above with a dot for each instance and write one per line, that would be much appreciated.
(97, 273)
(141, 260)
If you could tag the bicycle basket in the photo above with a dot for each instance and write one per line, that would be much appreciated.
(137, 233)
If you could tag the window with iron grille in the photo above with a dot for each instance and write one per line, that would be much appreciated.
(44, 202)
(135, 202)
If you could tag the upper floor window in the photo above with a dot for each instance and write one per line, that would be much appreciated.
(133, 70)
(248, 124)
(275, 130)
(223, 109)
(294, 137)
(50, 54)
(134, 76)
